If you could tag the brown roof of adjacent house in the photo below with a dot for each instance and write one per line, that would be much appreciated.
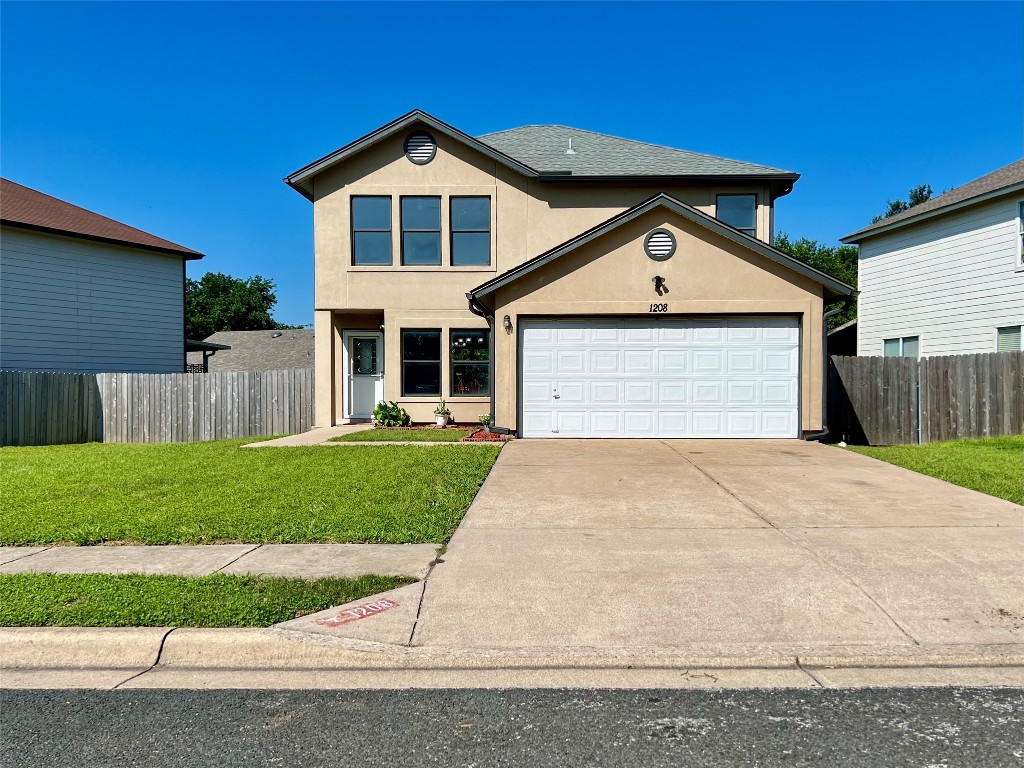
(1007, 176)
(268, 350)
(21, 206)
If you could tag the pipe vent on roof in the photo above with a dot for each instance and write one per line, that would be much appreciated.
(660, 244)
(420, 147)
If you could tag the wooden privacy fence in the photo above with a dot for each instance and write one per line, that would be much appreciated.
(892, 400)
(52, 408)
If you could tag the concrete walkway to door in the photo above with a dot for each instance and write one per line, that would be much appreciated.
(723, 548)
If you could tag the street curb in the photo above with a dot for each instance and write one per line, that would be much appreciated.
(82, 648)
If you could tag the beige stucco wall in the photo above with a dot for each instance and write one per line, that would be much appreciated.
(527, 218)
(708, 274)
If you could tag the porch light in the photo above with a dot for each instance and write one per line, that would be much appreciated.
(506, 323)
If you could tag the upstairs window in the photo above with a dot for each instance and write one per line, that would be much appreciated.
(421, 231)
(471, 231)
(738, 211)
(908, 346)
(371, 230)
(1008, 339)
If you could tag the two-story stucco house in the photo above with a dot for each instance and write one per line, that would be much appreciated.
(946, 277)
(82, 293)
(571, 283)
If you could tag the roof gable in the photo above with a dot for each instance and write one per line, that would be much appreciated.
(21, 206)
(687, 212)
(1002, 181)
(302, 179)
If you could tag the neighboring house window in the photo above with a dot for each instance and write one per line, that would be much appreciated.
(739, 211)
(1020, 235)
(421, 363)
(371, 230)
(1008, 339)
(470, 353)
(421, 231)
(471, 231)
(908, 346)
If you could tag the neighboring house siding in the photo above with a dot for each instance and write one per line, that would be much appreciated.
(950, 281)
(68, 304)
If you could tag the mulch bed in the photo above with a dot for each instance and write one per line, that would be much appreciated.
(483, 436)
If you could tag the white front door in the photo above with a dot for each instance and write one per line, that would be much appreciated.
(364, 373)
(733, 376)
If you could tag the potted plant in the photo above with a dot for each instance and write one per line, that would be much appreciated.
(485, 421)
(441, 413)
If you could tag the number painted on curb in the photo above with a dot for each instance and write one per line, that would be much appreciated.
(358, 612)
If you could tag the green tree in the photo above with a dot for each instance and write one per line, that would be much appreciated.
(219, 302)
(839, 261)
(916, 196)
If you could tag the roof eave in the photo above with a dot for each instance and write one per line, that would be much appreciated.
(301, 180)
(883, 228)
(837, 287)
(185, 253)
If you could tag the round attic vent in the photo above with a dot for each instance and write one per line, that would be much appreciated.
(660, 244)
(420, 147)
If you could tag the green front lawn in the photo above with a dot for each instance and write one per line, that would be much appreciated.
(105, 600)
(993, 465)
(201, 493)
(403, 436)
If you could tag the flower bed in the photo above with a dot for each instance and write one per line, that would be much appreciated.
(484, 436)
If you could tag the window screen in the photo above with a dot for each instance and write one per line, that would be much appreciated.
(371, 230)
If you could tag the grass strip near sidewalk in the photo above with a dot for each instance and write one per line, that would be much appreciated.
(403, 436)
(992, 465)
(107, 600)
(219, 492)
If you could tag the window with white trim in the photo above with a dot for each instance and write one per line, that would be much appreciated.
(907, 346)
(1008, 339)
(1020, 235)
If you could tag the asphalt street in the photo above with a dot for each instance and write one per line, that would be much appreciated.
(925, 727)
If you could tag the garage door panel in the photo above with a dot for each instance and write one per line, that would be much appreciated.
(673, 392)
(606, 361)
(708, 392)
(777, 393)
(605, 392)
(571, 393)
(606, 423)
(779, 361)
(673, 361)
(538, 362)
(639, 423)
(731, 376)
(674, 423)
(636, 361)
(742, 423)
(538, 392)
(570, 361)
(708, 361)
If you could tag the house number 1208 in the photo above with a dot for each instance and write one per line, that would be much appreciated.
(659, 307)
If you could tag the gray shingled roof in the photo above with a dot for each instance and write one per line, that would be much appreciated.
(1007, 176)
(260, 350)
(543, 147)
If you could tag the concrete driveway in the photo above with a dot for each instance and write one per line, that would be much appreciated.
(723, 548)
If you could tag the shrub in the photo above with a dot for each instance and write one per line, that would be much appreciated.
(390, 415)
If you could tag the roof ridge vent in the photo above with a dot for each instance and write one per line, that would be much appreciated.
(570, 150)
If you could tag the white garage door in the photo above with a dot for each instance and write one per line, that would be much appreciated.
(660, 377)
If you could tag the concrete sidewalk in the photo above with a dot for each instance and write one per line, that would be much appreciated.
(308, 561)
(315, 436)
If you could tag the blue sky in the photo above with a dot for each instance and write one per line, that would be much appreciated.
(182, 118)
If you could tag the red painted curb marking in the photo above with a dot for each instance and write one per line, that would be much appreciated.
(363, 611)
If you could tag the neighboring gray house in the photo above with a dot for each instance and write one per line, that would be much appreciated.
(259, 350)
(947, 276)
(83, 293)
